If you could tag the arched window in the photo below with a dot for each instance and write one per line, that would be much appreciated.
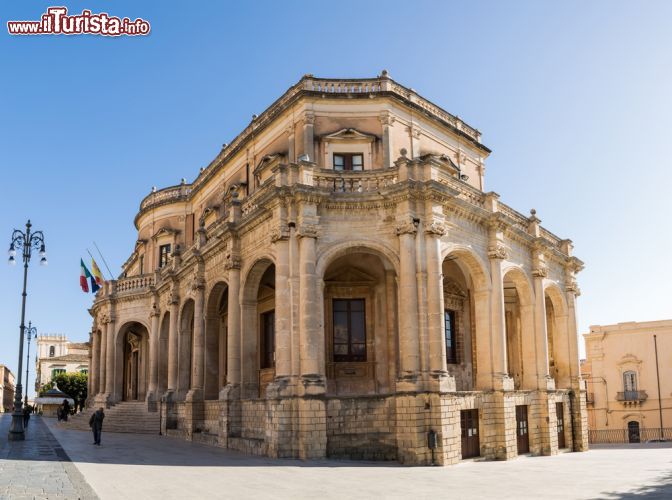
(630, 385)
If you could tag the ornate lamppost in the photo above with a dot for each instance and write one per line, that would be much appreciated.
(31, 333)
(26, 242)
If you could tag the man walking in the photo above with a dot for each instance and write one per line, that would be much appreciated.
(96, 424)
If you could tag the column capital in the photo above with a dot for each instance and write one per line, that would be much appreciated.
(540, 272)
(308, 118)
(386, 118)
(408, 226)
(308, 231)
(232, 262)
(498, 252)
(436, 228)
(280, 233)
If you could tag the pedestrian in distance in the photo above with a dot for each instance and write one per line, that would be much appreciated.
(26, 416)
(66, 409)
(96, 424)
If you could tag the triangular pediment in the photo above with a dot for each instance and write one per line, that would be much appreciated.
(164, 231)
(349, 275)
(349, 134)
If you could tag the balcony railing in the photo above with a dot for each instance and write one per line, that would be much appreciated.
(620, 436)
(166, 195)
(631, 396)
(135, 284)
(355, 182)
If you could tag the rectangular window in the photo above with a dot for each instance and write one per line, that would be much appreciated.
(142, 264)
(267, 340)
(349, 330)
(349, 161)
(451, 334)
(164, 253)
(52, 351)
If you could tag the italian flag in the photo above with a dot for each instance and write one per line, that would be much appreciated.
(84, 276)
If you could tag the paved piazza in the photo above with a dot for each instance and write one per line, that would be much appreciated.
(141, 466)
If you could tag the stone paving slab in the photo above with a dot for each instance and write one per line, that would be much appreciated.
(155, 467)
(38, 468)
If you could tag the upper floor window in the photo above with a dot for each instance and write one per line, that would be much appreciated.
(349, 161)
(349, 330)
(451, 343)
(52, 351)
(630, 385)
(57, 371)
(164, 253)
(141, 260)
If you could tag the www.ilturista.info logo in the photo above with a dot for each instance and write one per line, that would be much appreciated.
(56, 21)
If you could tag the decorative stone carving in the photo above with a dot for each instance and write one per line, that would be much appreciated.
(540, 272)
(498, 252)
(308, 231)
(437, 228)
(387, 118)
(232, 262)
(407, 227)
(280, 233)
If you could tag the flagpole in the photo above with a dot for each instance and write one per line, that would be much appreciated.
(104, 261)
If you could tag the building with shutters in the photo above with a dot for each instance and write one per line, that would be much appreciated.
(338, 282)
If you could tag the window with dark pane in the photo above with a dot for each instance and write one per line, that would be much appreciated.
(451, 337)
(164, 253)
(267, 340)
(349, 161)
(349, 321)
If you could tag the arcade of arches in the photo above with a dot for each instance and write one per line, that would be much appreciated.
(337, 283)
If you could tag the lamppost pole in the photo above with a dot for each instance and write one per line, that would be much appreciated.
(26, 242)
(31, 332)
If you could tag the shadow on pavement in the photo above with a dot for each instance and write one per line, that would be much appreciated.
(661, 490)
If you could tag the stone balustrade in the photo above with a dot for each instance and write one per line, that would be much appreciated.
(166, 195)
(354, 182)
(135, 284)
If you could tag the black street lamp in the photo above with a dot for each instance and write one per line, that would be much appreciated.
(31, 332)
(25, 242)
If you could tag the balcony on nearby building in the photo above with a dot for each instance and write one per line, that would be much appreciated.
(631, 397)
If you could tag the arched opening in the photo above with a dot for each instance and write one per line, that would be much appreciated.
(162, 379)
(258, 363)
(458, 323)
(185, 343)
(519, 323)
(466, 284)
(633, 432)
(133, 364)
(559, 352)
(216, 320)
(360, 326)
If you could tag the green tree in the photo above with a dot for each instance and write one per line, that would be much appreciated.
(73, 384)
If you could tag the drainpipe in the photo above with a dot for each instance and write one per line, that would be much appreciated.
(660, 401)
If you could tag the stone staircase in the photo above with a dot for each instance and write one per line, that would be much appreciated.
(128, 416)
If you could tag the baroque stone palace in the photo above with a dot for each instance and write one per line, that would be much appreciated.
(337, 283)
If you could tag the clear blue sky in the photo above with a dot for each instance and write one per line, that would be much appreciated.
(573, 97)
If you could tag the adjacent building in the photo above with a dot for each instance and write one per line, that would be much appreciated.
(629, 382)
(337, 282)
(56, 354)
(7, 390)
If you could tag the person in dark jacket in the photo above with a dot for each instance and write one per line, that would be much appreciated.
(66, 409)
(26, 416)
(96, 424)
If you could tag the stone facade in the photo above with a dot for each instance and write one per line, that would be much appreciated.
(55, 354)
(624, 381)
(7, 390)
(337, 283)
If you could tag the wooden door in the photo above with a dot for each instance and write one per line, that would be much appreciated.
(560, 413)
(471, 446)
(522, 430)
(633, 432)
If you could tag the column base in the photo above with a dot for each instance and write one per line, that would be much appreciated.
(547, 383)
(502, 382)
(313, 384)
(195, 394)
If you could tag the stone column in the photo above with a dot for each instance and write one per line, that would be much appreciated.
(544, 380)
(198, 355)
(308, 135)
(153, 354)
(283, 348)
(102, 359)
(291, 148)
(109, 361)
(409, 347)
(93, 369)
(501, 379)
(233, 348)
(173, 343)
(435, 307)
(386, 120)
(311, 335)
